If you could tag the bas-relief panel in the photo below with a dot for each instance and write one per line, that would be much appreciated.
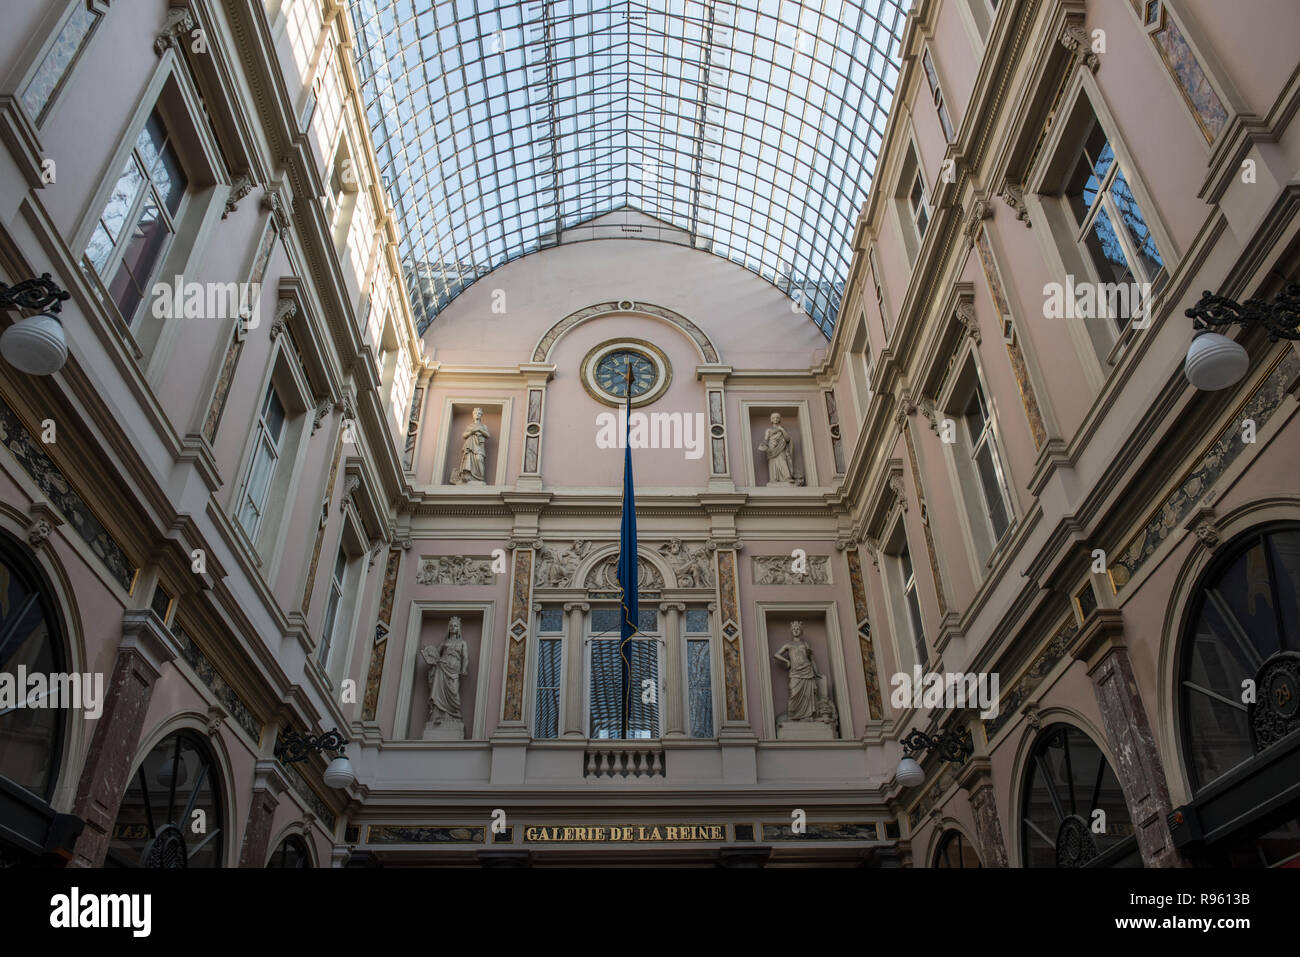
(408, 834)
(208, 674)
(1209, 469)
(780, 570)
(1011, 700)
(15, 437)
(455, 570)
(856, 831)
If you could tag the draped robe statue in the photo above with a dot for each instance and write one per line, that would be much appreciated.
(780, 453)
(473, 454)
(805, 680)
(447, 665)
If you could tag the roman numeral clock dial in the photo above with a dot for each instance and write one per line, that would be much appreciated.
(605, 372)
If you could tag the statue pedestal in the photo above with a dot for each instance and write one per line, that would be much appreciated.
(806, 730)
(451, 729)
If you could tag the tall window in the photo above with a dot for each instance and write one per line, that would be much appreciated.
(1067, 782)
(913, 603)
(936, 92)
(266, 455)
(699, 674)
(292, 853)
(984, 462)
(30, 737)
(605, 676)
(138, 223)
(1110, 228)
(177, 780)
(332, 623)
(550, 662)
(955, 851)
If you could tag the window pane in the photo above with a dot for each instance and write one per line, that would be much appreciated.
(100, 248)
(327, 628)
(699, 677)
(547, 721)
(604, 620)
(648, 621)
(605, 689)
(1138, 233)
(55, 64)
(123, 198)
(697, 620)
(340, 564)
(151, 140)
(274, 416)
(1106, 251)
(170, 179)
(992, 490)
(552, 619)
(142, 250)
(259, 481)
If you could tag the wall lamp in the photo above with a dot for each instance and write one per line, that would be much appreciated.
(35, 344)
(298, 747)
(951, 746)
(1213, 360)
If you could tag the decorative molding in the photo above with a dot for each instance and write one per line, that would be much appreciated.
(980, 210)
(899, 489)
(285, 310)
(216, 718)
(241, 187)
(1013, 197)
(1077, 40)
(322, 409)
(278, 208)
(965, 313)
(178, 24)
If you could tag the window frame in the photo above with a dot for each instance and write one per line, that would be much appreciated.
(60, 19)
(686, 637)
(560, 688)
(656, 639)
(903, 603)
(262, 442)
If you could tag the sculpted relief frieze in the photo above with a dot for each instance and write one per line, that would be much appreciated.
(455, 570)
(788, 570)
(557, 566)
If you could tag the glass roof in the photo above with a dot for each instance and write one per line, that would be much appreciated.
(753, 126)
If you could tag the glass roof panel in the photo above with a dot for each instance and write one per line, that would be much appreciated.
(753, 126)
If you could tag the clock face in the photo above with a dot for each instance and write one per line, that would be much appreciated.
(611, 373)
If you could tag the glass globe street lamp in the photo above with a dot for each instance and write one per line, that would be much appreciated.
(298, 747)
(1216, 362)
(954, 746)
(35, 344)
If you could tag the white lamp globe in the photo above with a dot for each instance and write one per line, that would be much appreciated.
(909, 773)
(1215, 362)
(339, 774)
(35, 345)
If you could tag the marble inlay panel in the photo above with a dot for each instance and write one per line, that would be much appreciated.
(208, 674)
(1188, 73)
(414, 834)
(516, 653)
(925, 524)
(374, 675)
(728, 601)
(320, 531)
(866, 646)
(859, 831)
(1014, 697)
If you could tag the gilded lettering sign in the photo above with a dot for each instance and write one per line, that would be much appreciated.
(625, 833)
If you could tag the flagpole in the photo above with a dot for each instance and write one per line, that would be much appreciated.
(625, 674)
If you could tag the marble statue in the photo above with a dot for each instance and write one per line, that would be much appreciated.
(811, 714)
(780, 453)
(447, 665)
(473, 454)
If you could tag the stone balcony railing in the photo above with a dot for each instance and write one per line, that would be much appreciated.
(627, 761)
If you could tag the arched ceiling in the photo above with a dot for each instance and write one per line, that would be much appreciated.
(753, 126)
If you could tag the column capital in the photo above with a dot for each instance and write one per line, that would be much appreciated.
(146, 639)
(667, 606)
(572, 606)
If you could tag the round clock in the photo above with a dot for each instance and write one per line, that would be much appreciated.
(605, 372)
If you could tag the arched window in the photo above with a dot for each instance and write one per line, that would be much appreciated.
(1068, 782)
(31, 731)
(954, 851)
(171, 815)
(1243, 631)
(292, 852)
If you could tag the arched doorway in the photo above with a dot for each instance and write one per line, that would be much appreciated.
(32, 723)
(1072, 811)
(1239, 703)
(292, 852)
(171, 815)
(955, 851)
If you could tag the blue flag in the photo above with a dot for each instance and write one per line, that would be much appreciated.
(627, 571)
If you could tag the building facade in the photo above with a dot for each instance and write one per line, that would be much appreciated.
(292, 479)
